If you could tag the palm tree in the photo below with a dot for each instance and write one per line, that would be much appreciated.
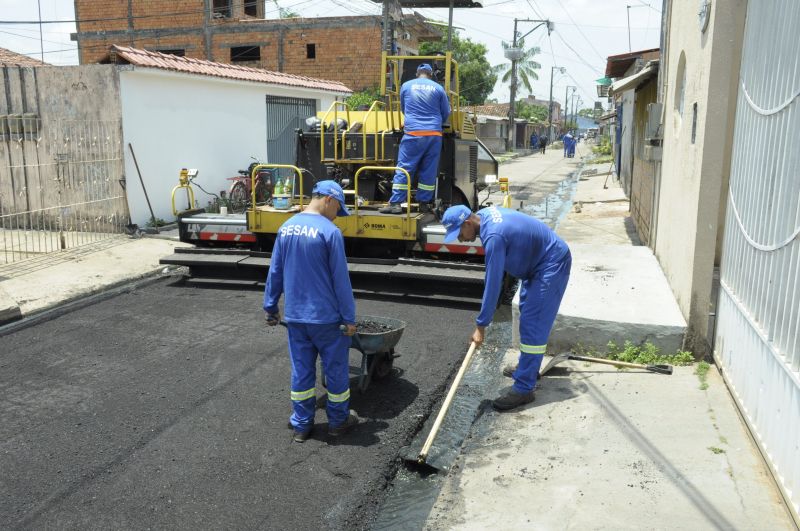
(526, 66)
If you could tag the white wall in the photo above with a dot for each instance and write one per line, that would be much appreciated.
(694, 175)
(175, 120)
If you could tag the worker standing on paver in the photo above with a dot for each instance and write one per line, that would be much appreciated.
(526, 249)
(308, 264)
(426, 108)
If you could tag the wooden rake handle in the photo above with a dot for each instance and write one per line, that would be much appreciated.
(423, 454)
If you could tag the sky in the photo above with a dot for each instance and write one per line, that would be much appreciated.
(585, 33)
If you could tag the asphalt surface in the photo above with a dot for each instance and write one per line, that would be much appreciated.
(166, 407)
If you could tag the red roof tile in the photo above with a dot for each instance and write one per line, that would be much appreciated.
(7, 57)
(188, 65)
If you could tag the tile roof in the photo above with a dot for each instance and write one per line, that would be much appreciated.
(7, 57)
(146, 58)
(492, 109)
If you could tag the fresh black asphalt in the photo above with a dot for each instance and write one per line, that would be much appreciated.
(166, 408)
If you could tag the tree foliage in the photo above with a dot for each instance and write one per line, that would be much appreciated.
(532, 113)
(363, 98)
(475, 75)
(526, 66)
(589, 113)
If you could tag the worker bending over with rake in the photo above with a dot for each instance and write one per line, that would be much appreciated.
(526, 249)
(308, 264)
(425, 106)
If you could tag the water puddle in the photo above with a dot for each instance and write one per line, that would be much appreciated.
(414, 491)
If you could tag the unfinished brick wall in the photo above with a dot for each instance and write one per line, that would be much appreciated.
(346, 49)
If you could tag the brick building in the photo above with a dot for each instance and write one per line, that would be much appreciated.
(345, 49)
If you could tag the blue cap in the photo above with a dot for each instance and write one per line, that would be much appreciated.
(425, 66)
(453, 219)
(332, 189)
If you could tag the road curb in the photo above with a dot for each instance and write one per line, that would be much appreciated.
(92, 296)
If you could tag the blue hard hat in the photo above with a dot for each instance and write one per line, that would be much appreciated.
(425, 66)
(332, 189)
(453, 219)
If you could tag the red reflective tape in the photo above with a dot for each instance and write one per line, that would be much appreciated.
(228, 237)
(450, 248)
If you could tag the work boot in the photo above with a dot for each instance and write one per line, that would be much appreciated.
(350, 421)
(508, 371)
(391, 208)
(302, 436)
(512, 399)
(424, 208)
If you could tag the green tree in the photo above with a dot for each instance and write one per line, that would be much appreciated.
(532, 113)
(475, 75)
(526, 66)
(363, 98)
(588, 113)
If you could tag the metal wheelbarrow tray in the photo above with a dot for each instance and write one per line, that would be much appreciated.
(376, 348)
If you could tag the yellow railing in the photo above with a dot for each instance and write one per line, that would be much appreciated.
(258, 167)
(392, 63)
(183, 182)
(408, 190)
(375, 133)
(335, 109)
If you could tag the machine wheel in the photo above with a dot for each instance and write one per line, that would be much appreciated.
(238, 198)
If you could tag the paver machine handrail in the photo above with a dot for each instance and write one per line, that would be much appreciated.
(257, 167)
(407, 217)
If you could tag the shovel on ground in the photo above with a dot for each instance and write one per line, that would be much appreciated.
(560, 358)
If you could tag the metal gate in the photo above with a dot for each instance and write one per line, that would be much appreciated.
(758, 313)
(284, 115)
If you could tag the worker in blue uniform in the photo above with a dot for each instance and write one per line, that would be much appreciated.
(572, 143)
(526, 249)
(567, 139)
(309, 266)
(426, 108)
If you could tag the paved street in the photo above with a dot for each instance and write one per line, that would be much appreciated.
(166, 408)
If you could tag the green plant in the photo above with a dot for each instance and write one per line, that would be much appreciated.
(716, 450)
(363, 98)
(603, 147)
(702, 374)
(156, 222)
(604, 159)
(646, 354)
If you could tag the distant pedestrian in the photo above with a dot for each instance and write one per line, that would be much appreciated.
(567, 139)
(526, 249)
(534, 142)
(309, 266)
(542, 143)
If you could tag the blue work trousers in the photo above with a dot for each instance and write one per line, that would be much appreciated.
(420, 155)
(306, 341)
(539, 299)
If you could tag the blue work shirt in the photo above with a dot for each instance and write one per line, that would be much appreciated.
(308, 264)
(516, 243)
(424, 104)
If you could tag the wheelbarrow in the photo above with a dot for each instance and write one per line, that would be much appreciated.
(376, 348)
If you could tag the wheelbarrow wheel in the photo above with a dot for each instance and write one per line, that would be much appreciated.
(383, 362)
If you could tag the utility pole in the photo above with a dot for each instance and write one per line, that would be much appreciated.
(515, 54)
(41, 42)
(550, 106)
(512, 128)
(566, 95)
(629, 28)
(450, 28)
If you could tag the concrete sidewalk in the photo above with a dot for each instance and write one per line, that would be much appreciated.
(608, 449)
(39, 284)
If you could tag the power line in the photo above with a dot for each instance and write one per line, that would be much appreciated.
(581, 31)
